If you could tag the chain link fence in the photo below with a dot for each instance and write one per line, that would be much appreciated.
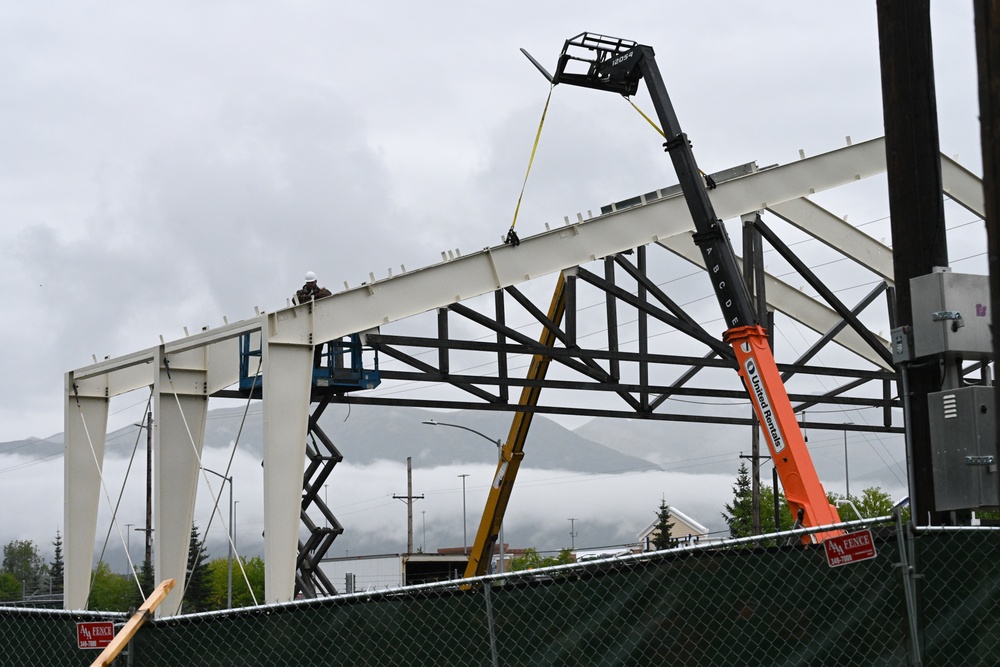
(930, 597)
(957, 583)
(33, 636)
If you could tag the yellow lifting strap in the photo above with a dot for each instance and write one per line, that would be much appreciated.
(511, 236)
(710, 181)
(643, 114)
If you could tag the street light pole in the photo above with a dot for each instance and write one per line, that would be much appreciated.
(499, 444)
(465, 535)
(229, 534)
(847, 469)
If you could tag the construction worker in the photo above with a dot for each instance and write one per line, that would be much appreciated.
(311, 290)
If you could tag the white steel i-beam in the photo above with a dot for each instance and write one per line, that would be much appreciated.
(388, 300)
(287, 368)
(837, 234)
(181, 409)
(86, 425)
(963, 186)
(792, 302)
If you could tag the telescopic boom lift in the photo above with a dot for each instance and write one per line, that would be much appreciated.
(617, 65)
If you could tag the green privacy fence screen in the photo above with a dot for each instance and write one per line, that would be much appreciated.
(46, 637)
(930, 598)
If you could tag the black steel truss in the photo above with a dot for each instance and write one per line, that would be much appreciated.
(599, 370)
(596, 371)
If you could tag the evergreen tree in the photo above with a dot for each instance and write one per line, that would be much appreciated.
(198, 589)
(767, 512)
(147, 582)
(56, 566)
(739, 515)
(664, 527)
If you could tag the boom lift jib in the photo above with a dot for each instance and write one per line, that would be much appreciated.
(513, 450)
(617, 65)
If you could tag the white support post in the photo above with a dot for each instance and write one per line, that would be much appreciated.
(287, 378)
(83, 415)
(181, 408)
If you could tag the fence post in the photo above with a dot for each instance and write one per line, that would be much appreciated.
(489, 622)
(908, 574)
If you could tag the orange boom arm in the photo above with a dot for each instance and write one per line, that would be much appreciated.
(759, 373)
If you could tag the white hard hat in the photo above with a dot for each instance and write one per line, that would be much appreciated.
(310, 277)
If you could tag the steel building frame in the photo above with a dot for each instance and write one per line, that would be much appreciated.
(185, 373)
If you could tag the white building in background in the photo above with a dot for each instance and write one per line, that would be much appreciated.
(685, 530)
(382, 571)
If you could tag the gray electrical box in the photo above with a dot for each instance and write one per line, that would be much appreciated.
(951, 314)
(901, 344)
(964, 448)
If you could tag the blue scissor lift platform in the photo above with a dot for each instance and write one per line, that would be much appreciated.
(339, 365)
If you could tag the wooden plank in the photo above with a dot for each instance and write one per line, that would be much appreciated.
(128, 631)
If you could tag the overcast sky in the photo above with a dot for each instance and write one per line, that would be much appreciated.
(163, 166)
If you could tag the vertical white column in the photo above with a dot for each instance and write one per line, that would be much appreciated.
(287, 374)
(81, 489)
(179, 433)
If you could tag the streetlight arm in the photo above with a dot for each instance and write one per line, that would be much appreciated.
(431, 422)
(219, 474)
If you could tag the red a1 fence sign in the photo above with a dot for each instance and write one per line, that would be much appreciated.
(94, 635)
(849, 548)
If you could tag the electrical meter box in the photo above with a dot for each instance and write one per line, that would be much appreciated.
(964, 448)
(951, 314)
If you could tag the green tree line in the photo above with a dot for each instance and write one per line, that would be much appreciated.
(25, 575)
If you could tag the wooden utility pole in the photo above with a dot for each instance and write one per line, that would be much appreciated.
(409, 498)
(149, 488)
(988, 58)
(916, 207)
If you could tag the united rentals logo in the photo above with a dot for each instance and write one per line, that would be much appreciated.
(763, 405)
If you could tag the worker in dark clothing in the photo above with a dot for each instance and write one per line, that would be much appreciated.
(311, 290)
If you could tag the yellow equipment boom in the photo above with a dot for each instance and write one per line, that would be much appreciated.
(513, 450)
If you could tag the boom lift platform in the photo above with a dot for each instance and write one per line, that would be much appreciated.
(340, 365)
(617, 65)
